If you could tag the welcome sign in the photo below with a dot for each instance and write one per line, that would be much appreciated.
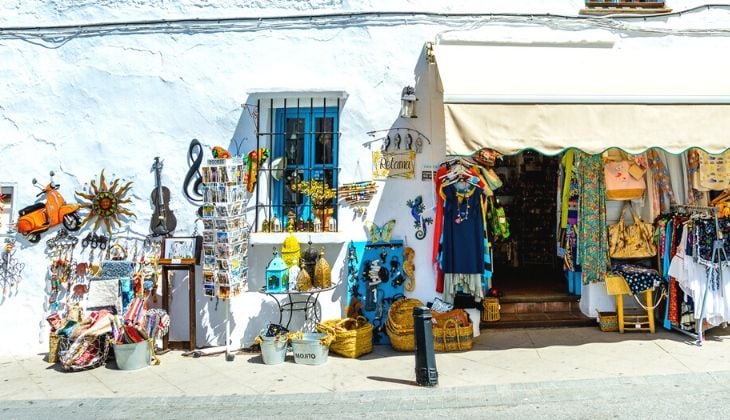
(394, 164)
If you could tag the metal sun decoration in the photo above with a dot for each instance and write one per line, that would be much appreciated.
(105, 202)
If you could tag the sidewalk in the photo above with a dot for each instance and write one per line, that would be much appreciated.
(499, 357)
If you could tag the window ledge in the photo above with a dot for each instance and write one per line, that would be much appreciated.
(277, 238)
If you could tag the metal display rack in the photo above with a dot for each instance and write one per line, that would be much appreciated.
(225, 232)
(718, 257)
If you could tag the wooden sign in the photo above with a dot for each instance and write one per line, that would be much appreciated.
(394, 164)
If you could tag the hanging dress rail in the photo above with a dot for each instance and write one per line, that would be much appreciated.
(700, 267)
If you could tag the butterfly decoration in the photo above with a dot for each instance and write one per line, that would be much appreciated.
(380, 233)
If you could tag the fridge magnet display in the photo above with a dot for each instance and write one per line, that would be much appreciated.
(420, 223)
(105, 202)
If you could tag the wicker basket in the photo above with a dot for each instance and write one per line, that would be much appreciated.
(401, 312)
(452, 337)
(490, 312)
(607, 321)
(401, 339)
(353, 337)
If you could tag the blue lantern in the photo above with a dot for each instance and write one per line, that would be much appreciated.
(277, 275)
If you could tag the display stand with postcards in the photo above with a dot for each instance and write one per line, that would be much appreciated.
(225, 233)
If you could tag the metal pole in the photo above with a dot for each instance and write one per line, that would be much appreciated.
(426, 373)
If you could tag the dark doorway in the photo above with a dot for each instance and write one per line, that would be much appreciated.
(526, 264)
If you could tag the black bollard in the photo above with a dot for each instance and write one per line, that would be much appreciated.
(426, 373)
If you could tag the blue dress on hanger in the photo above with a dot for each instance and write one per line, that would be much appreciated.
(463, 230)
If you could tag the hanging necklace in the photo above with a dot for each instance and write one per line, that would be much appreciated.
(462, 214)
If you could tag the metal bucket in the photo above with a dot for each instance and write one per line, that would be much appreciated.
(132, 356)
(308, 350)
(273, 351)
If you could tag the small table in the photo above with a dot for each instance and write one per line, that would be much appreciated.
(312, 297)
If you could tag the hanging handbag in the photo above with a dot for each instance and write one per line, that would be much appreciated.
(635, 241)
(620, 184)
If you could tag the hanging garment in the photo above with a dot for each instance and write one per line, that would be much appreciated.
(592, 234)
(714, 171)
(662, 181)
(463, 230)
(466, 283)
(701, 281)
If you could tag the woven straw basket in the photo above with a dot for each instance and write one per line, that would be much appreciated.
(607, 321)
(490, 312)
(452, 337)
(399, 325)
(353, 337)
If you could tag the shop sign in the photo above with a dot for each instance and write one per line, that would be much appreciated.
(394, 164)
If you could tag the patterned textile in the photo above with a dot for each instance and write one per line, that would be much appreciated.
(714, 170)
(638, 278)
(592, 233)
(705, 235)
(661, 179)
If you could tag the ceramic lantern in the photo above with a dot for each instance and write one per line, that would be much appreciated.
(277, 275)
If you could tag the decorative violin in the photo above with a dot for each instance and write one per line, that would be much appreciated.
(163, 221)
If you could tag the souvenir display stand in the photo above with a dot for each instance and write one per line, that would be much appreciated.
(226, 232)
(378, 282)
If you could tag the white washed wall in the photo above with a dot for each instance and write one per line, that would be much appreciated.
(115, 100)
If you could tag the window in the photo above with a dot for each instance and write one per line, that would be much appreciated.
(302, 168)
(611, 7)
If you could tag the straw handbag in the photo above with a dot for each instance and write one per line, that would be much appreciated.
(452, 337)
(635, 241)
(353, 337)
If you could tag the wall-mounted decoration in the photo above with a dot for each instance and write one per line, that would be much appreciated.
(7, 205)
(394, 164)
(376, 283)
(358, 195)
(193, 183)
(399, 139)
(105, 202)
(163, 221)
(420, 223)
(38, 218)
(254, 160)
(409, 268)
(380, 233)
(10, 268)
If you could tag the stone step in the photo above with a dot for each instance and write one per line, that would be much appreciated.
(538, 307)
(540, 320)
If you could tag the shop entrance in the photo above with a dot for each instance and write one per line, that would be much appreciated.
(526, 265)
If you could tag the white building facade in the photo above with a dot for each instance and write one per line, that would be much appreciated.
(86, 86)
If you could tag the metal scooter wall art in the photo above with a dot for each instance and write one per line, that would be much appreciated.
(37, 218)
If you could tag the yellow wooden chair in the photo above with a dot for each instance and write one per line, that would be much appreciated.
(616, 286)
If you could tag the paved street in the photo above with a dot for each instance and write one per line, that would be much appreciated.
(547, 373)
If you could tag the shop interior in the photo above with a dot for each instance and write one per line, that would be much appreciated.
(525, 264)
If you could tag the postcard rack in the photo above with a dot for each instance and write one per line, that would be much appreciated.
(225, 233)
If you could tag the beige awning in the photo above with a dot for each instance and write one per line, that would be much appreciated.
(512, 98)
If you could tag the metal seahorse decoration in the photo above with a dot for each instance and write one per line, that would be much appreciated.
(420, 223)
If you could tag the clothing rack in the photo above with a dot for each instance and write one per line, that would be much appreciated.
(718, 247)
